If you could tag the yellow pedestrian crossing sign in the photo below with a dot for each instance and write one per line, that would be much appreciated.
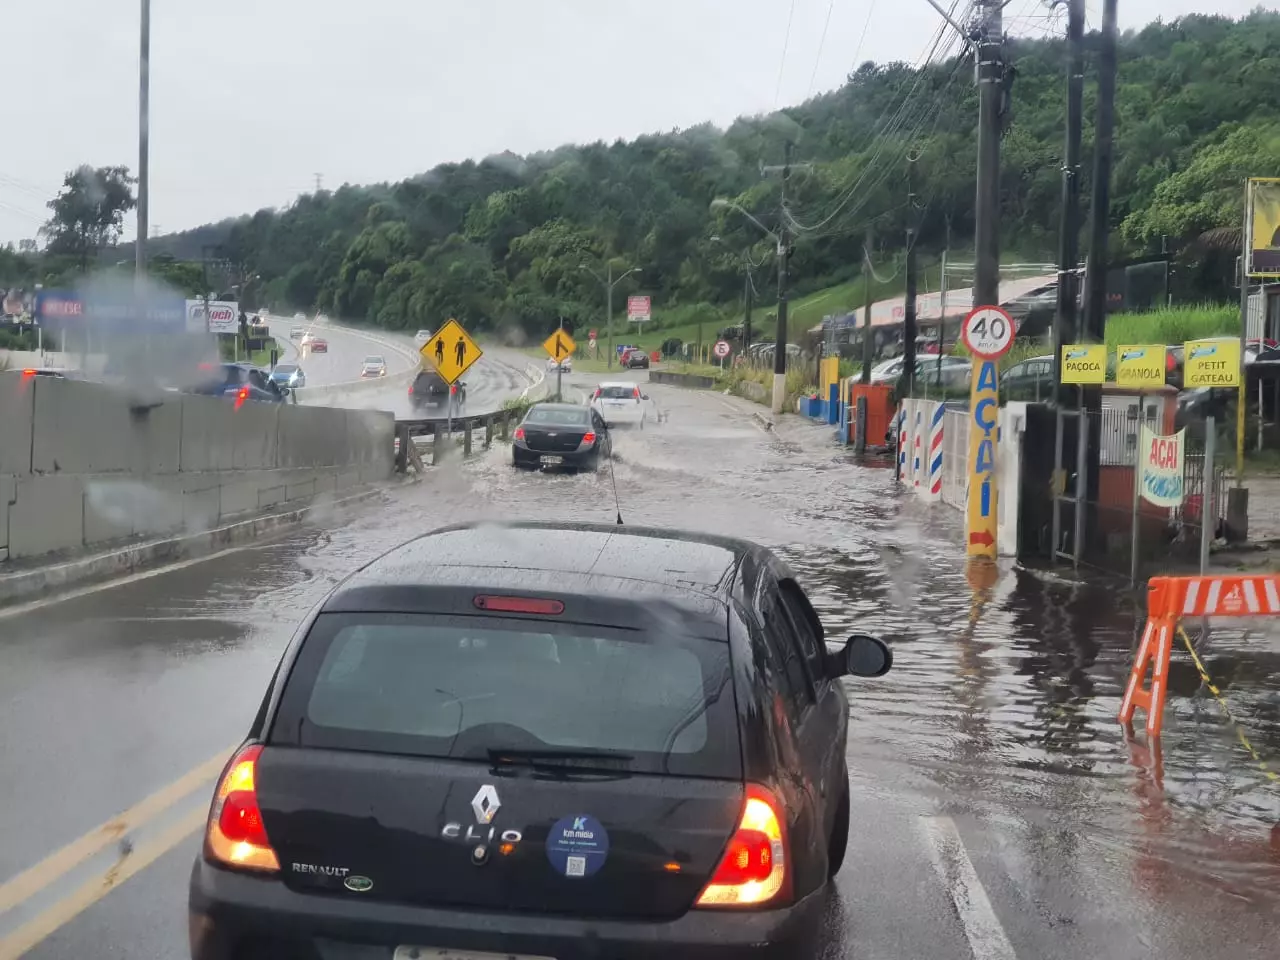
(559, 345)
(451, 351)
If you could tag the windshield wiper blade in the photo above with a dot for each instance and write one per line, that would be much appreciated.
(516, 755)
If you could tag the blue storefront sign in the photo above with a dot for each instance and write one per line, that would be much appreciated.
(73, 312)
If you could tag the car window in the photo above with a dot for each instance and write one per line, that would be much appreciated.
(808, 628)
(461, 687)
(784, 649)
(563, 416)
(257, 379)
(285, 368)
(618, 393)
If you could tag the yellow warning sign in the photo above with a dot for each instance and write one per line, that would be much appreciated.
(451, 351)
(1084, 363)
(559, 345)
(1141, 365)
(1211, 363)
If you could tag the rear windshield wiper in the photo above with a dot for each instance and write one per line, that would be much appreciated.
(600, 759)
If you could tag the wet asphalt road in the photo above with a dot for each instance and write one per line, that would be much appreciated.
(998, 810)
(497, 375)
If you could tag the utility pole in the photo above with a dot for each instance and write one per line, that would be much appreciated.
(319, 181)
(1095, 319)
(784, 260)
(909, 325)
(867, 355)
(991, 88)
(747, 304)
(144, 133)
(608, 282)
(1065, 325)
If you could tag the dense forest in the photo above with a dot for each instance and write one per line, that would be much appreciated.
(505, 241)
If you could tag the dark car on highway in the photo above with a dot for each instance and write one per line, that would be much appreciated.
(540, 740)
(240, 381)
(431, 392)
(561, 435)
(634, 359)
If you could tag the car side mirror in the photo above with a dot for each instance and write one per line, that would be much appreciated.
(862, 656)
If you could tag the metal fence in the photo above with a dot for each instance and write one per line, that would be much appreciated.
(955, 457)
(1164, 539)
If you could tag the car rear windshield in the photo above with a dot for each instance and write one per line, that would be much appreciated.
(285, 368)
(618, 393)
(466, 687)
(373, 361)
(564, 416)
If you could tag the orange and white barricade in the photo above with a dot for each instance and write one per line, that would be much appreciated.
(1169, 599)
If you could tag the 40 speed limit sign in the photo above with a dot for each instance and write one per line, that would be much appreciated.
(987, 332)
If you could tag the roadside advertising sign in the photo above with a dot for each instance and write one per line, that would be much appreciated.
(987, 333)
(1161, 460)
(1262, 228)
(638, 308)
(1084, 363)
(1140, 365)
(1211, 363)
(222, 316)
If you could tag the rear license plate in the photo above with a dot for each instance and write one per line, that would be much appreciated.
(551, 461)
(439, 953)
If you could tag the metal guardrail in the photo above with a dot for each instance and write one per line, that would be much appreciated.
(437, 427)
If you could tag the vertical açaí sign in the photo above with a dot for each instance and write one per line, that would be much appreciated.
(1161, 467)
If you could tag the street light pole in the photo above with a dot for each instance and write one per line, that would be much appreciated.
(608, 282)
(144, 131)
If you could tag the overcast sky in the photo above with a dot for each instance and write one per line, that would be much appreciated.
(250, 99)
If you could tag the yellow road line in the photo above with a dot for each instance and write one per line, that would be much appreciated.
(41, 926)
(33, 880)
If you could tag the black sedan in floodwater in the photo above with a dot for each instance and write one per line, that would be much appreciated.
(571, 741)
(561, 435)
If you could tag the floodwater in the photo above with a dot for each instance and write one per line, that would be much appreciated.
(997, 719)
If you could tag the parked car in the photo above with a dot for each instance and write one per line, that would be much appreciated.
(955, 371)
(373, 368)
(1030, 380)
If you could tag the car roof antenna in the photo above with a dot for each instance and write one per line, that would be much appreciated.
(614, 480)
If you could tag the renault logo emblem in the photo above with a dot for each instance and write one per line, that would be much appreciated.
(485, 804)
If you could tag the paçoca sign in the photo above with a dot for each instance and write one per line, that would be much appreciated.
(1084, 363)
(223, 316)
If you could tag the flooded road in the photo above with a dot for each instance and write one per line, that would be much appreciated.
(998, 809)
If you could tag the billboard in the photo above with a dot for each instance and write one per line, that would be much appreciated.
(1262, 228)
(72, 311)
(223, 316)
(638, 308)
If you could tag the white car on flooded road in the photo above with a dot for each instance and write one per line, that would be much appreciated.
(621, 403)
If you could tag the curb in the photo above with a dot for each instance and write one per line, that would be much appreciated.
(41, 582)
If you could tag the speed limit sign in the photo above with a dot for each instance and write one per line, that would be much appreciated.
(987, 332)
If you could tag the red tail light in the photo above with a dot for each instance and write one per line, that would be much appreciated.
(241, 396)
(588, 437)
(236, 836)
(596, 395)
(28, 373)
(637, 394)
(1170, 363)
(411, 388)
(519, 434)
(753, 871)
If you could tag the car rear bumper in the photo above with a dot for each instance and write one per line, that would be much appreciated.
(571, 459)
(244, 917)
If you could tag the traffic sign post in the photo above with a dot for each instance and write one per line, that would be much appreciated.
(451, 352)
(987, 333)
(559, 347)
(721, 350)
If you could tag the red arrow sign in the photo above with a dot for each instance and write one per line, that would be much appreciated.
(982, 537)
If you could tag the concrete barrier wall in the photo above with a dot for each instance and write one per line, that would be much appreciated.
(83, 465)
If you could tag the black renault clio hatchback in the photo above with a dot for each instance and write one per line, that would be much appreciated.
(540, 741)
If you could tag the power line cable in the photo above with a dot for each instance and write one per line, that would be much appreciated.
(782, 66)
(817, 60)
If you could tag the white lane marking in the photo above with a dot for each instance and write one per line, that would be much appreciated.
(987, 938)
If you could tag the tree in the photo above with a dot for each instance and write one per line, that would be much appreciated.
(89, 211)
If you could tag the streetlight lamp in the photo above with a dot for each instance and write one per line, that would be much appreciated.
(608, 285)
(780, 340)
